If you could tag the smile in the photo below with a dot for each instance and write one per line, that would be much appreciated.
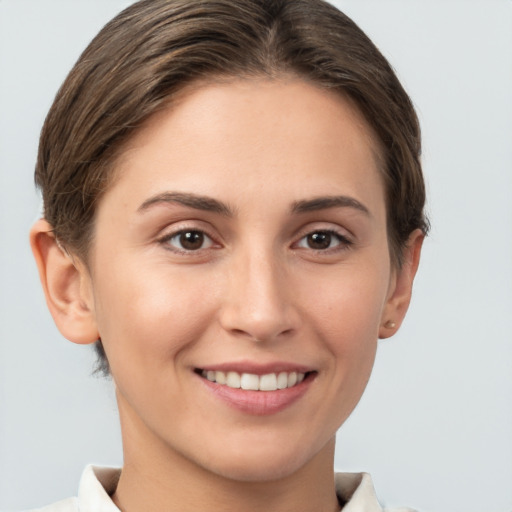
(253, 382)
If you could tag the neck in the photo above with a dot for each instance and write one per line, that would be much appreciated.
(156, 477)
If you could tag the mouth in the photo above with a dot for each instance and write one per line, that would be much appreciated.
(254, 382)
(257, 389)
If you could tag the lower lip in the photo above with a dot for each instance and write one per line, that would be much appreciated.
(259, 403)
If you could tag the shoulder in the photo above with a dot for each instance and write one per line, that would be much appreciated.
(69, 505)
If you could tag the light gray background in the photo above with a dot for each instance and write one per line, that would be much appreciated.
(435, 425)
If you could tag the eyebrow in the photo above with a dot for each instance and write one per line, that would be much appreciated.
(209, 204)
(323, 203)
(186, 199)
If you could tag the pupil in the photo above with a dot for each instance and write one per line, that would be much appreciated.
(192, 240)
(319, 240)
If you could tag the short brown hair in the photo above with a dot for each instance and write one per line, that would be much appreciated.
(154, 48)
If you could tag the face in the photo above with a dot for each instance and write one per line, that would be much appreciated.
(243, 244)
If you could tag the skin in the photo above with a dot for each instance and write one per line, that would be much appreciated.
(258, 289)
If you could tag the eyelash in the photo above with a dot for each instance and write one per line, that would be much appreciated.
(343, 243)
(166, 240)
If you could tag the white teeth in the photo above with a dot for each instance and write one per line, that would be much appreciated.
(233, 380)
(268, 382)
(282, 380)
(250, 381)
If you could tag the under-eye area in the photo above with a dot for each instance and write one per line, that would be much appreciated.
(254, 382)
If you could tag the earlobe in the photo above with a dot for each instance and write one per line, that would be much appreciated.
(401, 289)
(66, 285)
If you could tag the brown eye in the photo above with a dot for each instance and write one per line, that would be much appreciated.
(320, 240)
(190, 240)
(323, 240)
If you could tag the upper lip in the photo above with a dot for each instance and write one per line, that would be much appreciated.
(257, 368)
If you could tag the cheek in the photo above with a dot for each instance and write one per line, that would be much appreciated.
(348, 305)
(146, 316)
(347, 311)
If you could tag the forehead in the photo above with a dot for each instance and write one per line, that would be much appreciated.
(222, 132)
(257, 102)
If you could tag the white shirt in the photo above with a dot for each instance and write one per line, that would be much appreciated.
(98, 484)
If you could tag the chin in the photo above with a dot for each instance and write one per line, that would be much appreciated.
(244, 470)
(265, 463)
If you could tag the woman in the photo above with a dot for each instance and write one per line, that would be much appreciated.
(233, 214)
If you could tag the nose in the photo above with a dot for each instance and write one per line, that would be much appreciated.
(258, 301)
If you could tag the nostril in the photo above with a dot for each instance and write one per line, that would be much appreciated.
(259, 318)
(260, 336)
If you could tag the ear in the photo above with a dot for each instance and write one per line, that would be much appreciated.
(67, 286)
(400, 290)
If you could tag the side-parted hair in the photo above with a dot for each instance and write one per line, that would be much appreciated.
(153, 49)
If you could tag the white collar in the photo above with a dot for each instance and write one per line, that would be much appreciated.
(96, 486)
(99, 483)
(356, 490)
